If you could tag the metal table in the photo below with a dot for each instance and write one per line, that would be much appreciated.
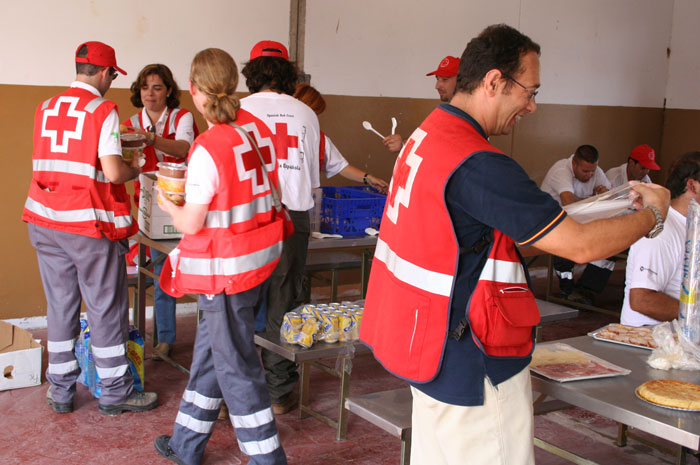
(615, 397)
(343, 352)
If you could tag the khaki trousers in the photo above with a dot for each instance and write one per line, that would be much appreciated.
(500, 432)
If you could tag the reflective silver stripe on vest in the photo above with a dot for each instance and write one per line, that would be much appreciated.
(403, 270)
(76, 216)
(70, 167)
(45, 104)
(503, 272)
(230, 266)
(173, 116)
(239, 213)
(93, 104)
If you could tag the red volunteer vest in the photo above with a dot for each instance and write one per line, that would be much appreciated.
(241, 242)
(69, 191)
(171, 124)
(407, 309)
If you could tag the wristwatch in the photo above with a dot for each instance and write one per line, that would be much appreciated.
(659, 226)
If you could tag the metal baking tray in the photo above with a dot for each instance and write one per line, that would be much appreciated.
(614, 370)
(594, 335)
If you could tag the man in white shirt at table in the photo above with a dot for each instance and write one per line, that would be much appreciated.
(637, 167)
(567, 181)
(654, 266)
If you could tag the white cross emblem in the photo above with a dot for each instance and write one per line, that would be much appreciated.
(67, 135)
(246, 149)
(404, 176)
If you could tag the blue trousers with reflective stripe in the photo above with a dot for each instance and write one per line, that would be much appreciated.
(225, 365)
(73, 268)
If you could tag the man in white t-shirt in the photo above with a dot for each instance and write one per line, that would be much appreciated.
(654, 266)
(272, 79)
(637, 167)
(568, 181)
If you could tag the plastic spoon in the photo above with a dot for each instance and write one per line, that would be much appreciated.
(366, 125)
(393, 125)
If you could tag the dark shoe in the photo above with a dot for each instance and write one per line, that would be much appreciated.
(138, 402)
(160, 348)
(582, 296)
(58, 407)
(162, 444)
(285, 406)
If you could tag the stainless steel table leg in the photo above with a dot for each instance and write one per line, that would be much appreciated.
(406, 450)
(304, 389)
(344, 391)
(140, 301)
(621, 435)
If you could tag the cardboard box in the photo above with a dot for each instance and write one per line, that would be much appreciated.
(154, 222)
(20, 358)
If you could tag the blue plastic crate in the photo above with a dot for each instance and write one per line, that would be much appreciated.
(350, 210)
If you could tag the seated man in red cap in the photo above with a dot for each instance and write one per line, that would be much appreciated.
(637, 168)
(445, 83)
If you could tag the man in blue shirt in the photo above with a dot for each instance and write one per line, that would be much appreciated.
(469, 405)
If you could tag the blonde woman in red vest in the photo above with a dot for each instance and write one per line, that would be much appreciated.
(234, 228)
(169, 132)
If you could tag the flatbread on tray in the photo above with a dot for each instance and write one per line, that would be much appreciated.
(636, 336)
(671, 393)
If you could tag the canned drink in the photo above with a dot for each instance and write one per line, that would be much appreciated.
(307, 337)
(347, 325)
(331, 325)
(308, 309)
(334, 304)
(357, 317)
(291, 327)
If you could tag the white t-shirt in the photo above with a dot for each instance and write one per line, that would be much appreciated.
(618, 175)
(297, 142)
(560, 178)
(333, 160)
(183, 131)
(655, 264)
(109, 144)
(202, 177)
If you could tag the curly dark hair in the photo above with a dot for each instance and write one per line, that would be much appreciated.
(497, 47)
(271, 73)
(173, 98)
(687, 166)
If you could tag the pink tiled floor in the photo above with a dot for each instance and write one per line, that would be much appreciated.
(32, 433)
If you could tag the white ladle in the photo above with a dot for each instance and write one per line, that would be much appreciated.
(366, 125)
(393, 125)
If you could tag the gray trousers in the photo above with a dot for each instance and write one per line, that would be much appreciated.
(287, 290)
(74, 268)
(225, 366)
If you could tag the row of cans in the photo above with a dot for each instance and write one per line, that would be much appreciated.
(329, 323)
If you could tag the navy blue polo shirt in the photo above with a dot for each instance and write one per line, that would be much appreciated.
(488, 191)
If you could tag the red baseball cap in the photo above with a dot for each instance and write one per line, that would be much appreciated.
(448, 67)
(269, 48)
(99, 54)
(645, 156)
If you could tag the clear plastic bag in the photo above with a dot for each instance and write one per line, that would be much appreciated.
(615, 202)
(675, 350)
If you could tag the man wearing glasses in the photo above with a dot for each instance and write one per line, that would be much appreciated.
(79, 219)
(449, 306)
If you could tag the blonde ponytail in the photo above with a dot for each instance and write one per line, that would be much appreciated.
(215, 74)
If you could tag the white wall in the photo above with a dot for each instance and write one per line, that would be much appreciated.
(39, 37)
(597, 52)
(683, 90)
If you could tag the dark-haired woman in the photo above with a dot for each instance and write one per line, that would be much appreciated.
(169, 133)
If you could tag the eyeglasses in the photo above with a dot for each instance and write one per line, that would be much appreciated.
(533, 93)
(113, 73)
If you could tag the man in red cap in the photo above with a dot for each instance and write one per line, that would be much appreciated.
(445, 83)
(272, 79)
(79, 220)
(637, 168)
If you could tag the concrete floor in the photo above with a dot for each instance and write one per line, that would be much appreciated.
(32, 433)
